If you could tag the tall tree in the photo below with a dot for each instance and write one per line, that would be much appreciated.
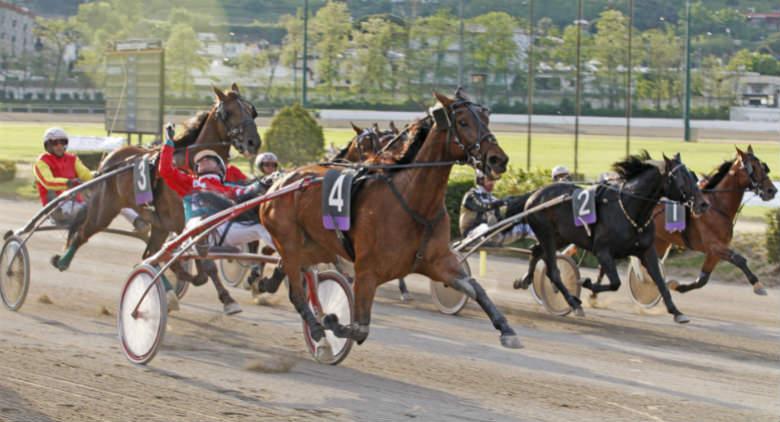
(57, 34)
(292, 44)
(663, 57)
(430, 39)
(331, 27)
(610, 49)
(375, 42)
(494, 49)
(182, 58)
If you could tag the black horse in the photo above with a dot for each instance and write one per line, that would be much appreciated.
(624, 226)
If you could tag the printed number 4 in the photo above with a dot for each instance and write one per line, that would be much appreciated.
(584, 204)
(335, 199)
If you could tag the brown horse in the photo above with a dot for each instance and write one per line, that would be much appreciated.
(399, 221)
(229, 122)
(369, 144)
(712, 232)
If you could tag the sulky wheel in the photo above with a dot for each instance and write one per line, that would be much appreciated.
(448, 300)
(14, 273)
(550, 296)
(233, 271)
(141, 333)
(643, 289)
(334, 296)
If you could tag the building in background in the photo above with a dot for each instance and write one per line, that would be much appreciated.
(16, 30)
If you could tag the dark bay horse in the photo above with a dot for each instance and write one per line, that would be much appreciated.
(624, 225)
(712, 232)
(399, 221)
(230, 122)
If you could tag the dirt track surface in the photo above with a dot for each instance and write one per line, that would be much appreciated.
(61, 360)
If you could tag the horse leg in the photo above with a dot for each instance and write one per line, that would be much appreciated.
(740, 262)
(607, 266)
(449, 270)
(704, 276)
(230, 306)
(365, 290)
(528, 278)
(83, 227)
(405, 296)
(555, 275)
(650, 261)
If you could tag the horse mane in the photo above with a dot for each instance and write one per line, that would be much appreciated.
(192, 128)
(419, 131)
(634, 165)
(714, 178)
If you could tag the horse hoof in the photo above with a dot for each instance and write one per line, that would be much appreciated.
(579, 312)
(681, 319)
(323, 352)
(672, 285)
(520, 283)
(511, 341)
(586, 283)
(232, 308)
(406, 297)
(55, 261)
(759, 289)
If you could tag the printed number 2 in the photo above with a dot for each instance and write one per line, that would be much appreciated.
(142, 175)
(335, 198)
(584, 207)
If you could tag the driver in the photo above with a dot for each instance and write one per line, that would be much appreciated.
(480, 209)
(57, 171)
(561, 174)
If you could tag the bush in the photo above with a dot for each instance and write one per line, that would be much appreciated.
(7, 170)
(773, 235)
(294, 136)
(456, 188)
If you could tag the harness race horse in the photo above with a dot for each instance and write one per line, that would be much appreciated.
(712, 232)
(230, 122)
(624, 225)
(399, 221)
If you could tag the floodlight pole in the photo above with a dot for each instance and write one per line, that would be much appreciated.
(530, 83)
(687, 111)
(578, 94)
(305, 51)
(628, 75)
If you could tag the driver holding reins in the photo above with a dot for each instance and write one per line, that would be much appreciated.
(481, 209)
(57, 171)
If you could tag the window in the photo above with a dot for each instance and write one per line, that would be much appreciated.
(13, 23)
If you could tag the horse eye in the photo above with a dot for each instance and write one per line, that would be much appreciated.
(463, 123)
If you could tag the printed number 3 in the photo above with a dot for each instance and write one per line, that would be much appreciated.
(142, 175)
(583, 196)
(335, 198)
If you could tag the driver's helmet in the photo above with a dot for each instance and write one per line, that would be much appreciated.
(207, 153)
(53, 134)
(560, 173)
(266, 157)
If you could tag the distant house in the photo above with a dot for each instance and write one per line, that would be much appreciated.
(16, 30)
(757, 98)
(770, 21)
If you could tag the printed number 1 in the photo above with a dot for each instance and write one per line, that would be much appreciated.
(142, 175)
(674, 212)
(335, 198)
(584, 206)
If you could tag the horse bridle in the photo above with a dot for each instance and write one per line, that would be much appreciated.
(235, 133)
(483, 133)
(755, 185)
(688, 202)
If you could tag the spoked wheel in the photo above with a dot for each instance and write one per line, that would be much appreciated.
(334, 296)
(180, 287)
(448, 300)
(233, 271)
(551, 297)
(14, 273)
(643, 290)
(141, 334)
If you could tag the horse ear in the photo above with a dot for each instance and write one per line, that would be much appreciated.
(393, 127)
(667, 161)
(218, 92)
(235, 89)
(356, 129)
(677, 157)
(750, 149)
(740, 152)
(443, 99)
(376, 127)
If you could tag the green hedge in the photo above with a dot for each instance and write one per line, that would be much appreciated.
(7, 170)
(295, 136)
(773, 235)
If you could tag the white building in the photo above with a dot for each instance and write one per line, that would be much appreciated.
(16, 30)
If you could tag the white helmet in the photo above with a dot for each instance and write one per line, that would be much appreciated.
(266, 157)
(559, 171)
(53, 133)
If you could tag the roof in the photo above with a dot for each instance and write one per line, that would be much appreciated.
(17, 9)
(770, 15)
